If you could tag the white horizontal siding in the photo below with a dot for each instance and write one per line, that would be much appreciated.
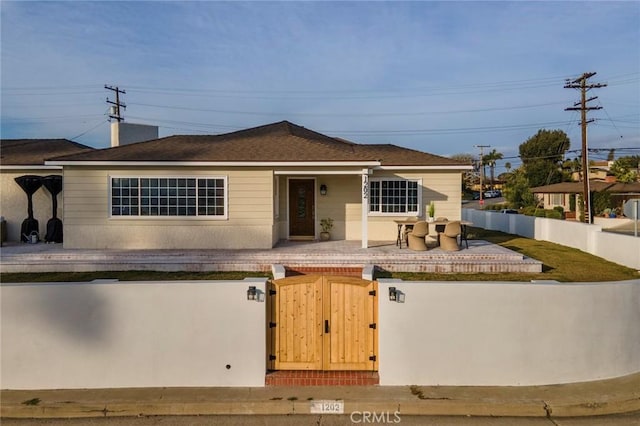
(86, 197)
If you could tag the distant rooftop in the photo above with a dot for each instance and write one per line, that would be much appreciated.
(34, 152)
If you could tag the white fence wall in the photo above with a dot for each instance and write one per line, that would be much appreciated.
(126, 334)
(451, 333)
(618, 248)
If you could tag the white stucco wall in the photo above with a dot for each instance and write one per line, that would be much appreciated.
(619, 248)
(450, 333)
(154, 334)
(127, 334)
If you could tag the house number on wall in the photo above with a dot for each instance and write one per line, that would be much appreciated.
(327, 407)
(365, 186)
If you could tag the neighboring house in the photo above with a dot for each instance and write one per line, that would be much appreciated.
(559, 194)
(599, 170)
(249, 189)
(20, 157)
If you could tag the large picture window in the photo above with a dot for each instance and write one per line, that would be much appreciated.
(168, 197)
(399, 196)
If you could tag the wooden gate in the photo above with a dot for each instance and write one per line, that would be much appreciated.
(323, 323)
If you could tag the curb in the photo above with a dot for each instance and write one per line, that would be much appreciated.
(68, 409)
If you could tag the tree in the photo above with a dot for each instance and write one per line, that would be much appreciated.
(625, 169)
(541, 156)
(517, 190)
(507, 166)
(611, 155)
(491, 159)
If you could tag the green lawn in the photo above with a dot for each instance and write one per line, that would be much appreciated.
(559, 263)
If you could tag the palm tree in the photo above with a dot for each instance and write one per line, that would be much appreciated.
(491, 159)
(507, 166)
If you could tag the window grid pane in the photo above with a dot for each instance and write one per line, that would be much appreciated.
(374, 196)
(167, 197)
(124, 197)
(394, 196)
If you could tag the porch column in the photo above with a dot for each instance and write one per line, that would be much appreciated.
(365, 208)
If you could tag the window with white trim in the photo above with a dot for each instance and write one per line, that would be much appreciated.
(394, 196)
(557, 199)
(169, 197)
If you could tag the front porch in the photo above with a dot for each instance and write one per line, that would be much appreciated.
(339, 256)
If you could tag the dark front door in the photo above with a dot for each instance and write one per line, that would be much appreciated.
(301, 208)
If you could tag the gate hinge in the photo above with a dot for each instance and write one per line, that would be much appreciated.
(272, 357)
(373, 325)
(372, 293)
(372, 358)
(272, 292)
(272, 324)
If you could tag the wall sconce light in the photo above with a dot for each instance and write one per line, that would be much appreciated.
(323, 189)
(396, 295)
(252, 293)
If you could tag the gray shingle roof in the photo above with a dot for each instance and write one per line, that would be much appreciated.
(277, 142)
(594, 185)
(34, 152)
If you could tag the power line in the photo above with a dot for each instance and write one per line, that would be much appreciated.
(90, 129)
(347, 114)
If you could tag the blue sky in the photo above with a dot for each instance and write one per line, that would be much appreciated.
(440, 77)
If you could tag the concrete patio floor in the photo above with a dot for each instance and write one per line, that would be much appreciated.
(481, 256)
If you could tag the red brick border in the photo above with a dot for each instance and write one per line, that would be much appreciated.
(322, 378)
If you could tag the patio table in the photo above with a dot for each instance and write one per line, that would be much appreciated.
(408, 223)
(403, 223)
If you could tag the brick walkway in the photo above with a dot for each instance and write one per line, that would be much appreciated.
(481, 256)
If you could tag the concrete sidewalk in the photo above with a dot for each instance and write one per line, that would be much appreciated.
(614, 396)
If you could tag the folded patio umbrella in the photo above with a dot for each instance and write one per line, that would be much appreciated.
(29, 184)
(53, 183)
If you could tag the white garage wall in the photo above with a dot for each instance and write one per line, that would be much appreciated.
(128, 334)
(451, 333)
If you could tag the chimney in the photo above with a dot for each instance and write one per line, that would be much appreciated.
(115, 133)
(128, 133)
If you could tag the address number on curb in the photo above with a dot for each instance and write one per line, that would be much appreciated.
(324, 406)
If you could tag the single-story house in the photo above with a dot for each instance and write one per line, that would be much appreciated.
(19, 157)
(559, 194)
(249, 189)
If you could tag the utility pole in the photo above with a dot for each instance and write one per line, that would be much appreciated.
(482, 147)
(581, 83)
(114, 113)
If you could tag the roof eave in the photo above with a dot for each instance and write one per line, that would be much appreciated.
(215, 163)
(434, 167)
(29, 167)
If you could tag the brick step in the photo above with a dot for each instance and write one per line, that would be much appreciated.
(322, 378)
